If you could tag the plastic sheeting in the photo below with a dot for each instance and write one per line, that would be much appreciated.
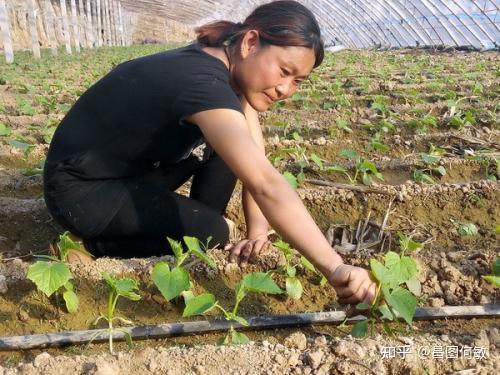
(361, 23)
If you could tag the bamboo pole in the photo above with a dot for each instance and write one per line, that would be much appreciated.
(66, 32)
(74, 21)
(120, 18)
(99, 23)
(107, 39)
(90, 30)
(49, 25)
(5, 28)
(255, 322)
(115, 22)
(35, 42)
(112, 24)
(81, 25)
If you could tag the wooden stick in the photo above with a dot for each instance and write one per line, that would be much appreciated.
(5, 28)
(35, 44)
(338, 185)
(49, 17)
(66, 32)
(255, 322)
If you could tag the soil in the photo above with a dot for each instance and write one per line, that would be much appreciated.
(451, 265)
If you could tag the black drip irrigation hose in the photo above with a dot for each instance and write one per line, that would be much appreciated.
(255, 322)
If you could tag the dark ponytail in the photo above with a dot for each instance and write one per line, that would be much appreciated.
(280, 23)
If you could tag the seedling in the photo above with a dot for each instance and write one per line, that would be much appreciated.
(431, 160)
(117, 288)
(173, 282)
(256, 282)
(397, 285)
(293, 285)
(52, 275)
(494, 278)
(363, 167)
(465, 229)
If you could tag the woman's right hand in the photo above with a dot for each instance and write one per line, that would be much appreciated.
(352, 284)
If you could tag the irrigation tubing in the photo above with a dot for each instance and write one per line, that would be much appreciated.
(255, 322)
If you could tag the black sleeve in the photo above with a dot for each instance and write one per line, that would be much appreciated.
(208, 92)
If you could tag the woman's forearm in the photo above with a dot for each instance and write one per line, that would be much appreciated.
(286, 213)
(256, 222)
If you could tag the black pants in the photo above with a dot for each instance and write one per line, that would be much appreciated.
(152, 210)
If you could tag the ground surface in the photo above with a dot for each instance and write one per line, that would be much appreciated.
(389, 107)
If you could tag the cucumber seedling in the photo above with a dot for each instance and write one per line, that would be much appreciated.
(256, 282)
(173, 282)
(123, 287)
(52, 274)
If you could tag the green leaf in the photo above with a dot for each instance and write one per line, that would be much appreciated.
(176, 247)
(294, 288)
(49, 276)
(71, 300)
(4, 130)
(495, 268)
(404, 303)
(386, 312)
(308, 265)
(315, 158)
(260, 282)
(188, 296)
(429, 159)
(126, 287)
(494, 280)
(291, 271)
(363, 306)
(414, 285)
(128, 338)
(441, 170)
(19, 145)
(194, 246)
(407, 244)
(360, 329)
(291, 179)
(349, 153)
(323, 281)
(468, 229)
(170, 283)
(238, 338)
(379, 271)
(284, 247)
(199, 305)
(241, 320)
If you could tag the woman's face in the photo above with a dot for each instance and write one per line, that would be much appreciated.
(265, 74)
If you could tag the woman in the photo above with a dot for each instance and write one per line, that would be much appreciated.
(125, 146)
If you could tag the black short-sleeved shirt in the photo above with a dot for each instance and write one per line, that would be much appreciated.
(131, 122)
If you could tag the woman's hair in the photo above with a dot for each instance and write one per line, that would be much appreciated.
(280, 23)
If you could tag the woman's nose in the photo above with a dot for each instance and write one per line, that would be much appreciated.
(282, 90)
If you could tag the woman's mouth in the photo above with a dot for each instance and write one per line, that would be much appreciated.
(269, 98)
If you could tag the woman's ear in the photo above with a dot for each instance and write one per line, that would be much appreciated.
(250, 43)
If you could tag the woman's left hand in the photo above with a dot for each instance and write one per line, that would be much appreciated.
(243, 250)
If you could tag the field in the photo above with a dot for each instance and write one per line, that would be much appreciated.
(410, 136)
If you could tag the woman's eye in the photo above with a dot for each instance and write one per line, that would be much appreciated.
(285, 73)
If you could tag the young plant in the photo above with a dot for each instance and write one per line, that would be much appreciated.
(293, 285)
(126, 288)
(363, 167)
(256, 282)
(398, 286)
(173, 282)
(431, 160)
(52, 275)
(494, 278)
(465, 229)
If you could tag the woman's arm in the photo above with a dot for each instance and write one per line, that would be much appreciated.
(227, 132)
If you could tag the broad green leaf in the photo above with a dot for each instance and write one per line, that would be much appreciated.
(360, 329)
(294, 287)
(176, 247)
(199, 305)
(441, 170)
(260, 282)
(407, 244)
(349, 153)
(71, 300)
(284, 247)
(241, 320)
(238, 338)
(308, 265)
(379, 271)
(224, 340)
(386, 312)
(66, 244)
(291, 179)
(315, 158)
(367, 165)
(4, 130)
(494, 280)
(240, 291)
(291, 271)
(404, 303)
(171, 283)
(429, 159)
(414, 286)
(323, 281)
(188, 296)
(194, 246)
(126, 288)
(49, 276)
